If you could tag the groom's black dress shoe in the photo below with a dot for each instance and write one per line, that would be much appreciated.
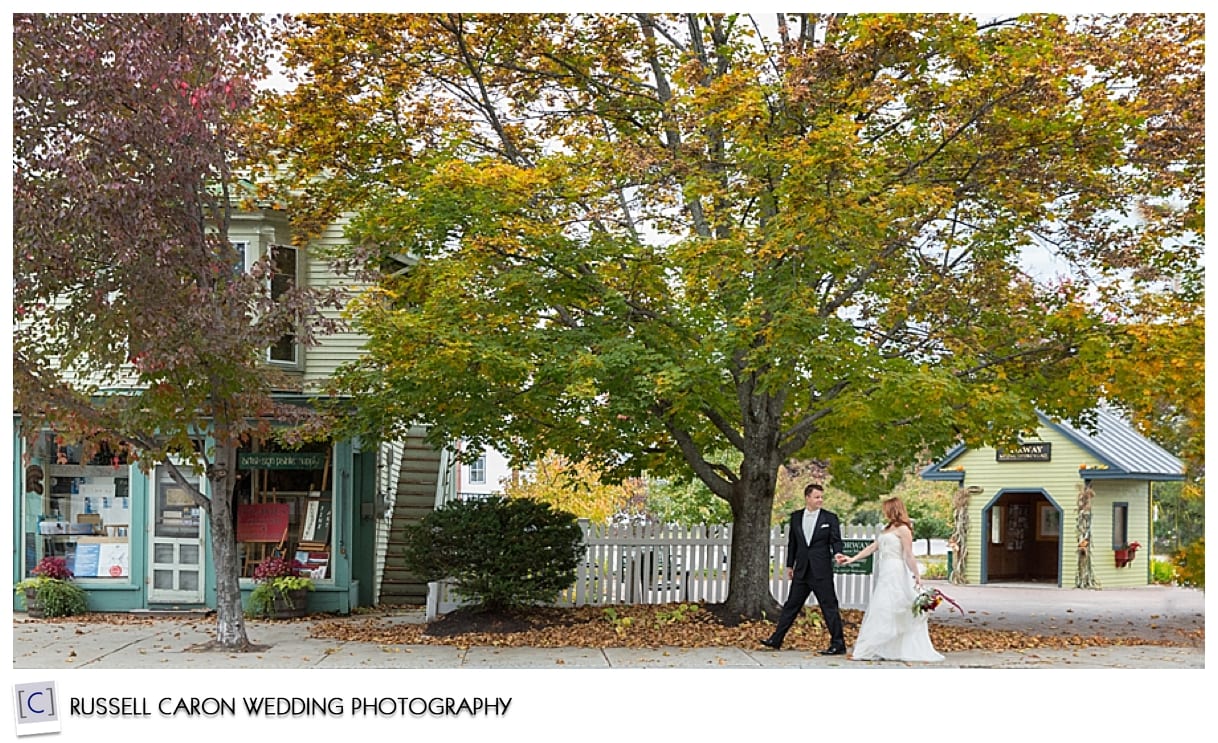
(833, 651)
(771, 643)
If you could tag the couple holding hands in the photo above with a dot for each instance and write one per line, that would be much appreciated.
(890, 630)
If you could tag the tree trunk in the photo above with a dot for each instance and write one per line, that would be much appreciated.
(748, 594)
(230, 619)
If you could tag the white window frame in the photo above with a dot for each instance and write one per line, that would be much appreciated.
(295, 360)
(478, 476)
(254, 249)
(242, 246)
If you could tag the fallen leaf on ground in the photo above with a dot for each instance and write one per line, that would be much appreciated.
(552, 627)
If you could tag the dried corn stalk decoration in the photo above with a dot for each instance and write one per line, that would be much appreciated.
(959, 541)
(1085, 576)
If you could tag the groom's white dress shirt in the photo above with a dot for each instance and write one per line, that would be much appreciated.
(810, 524)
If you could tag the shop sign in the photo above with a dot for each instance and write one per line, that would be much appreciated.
(850, 548)
(1030, 451)
(281, 460)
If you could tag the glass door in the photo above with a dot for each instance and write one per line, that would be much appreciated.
(176, 564)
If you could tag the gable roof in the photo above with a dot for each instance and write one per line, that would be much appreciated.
(1125, 453)
(1128, 454)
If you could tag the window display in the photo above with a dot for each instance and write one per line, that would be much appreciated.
(284, 507)
(77, 506)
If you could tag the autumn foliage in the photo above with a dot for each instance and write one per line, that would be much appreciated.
(135, 319)
(642, 239)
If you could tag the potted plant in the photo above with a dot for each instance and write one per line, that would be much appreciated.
(281, 591)
(51, 592)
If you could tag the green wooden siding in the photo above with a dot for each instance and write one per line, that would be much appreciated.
(335, 349)
(1103, 562)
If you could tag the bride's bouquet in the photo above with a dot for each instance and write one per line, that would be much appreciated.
(928, 599)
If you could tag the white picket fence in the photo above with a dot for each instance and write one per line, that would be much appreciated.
(657, 564)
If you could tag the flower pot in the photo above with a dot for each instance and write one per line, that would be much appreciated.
(33, 607)
(291, 604)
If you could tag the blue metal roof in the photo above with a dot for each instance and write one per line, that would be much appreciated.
(1127, 454)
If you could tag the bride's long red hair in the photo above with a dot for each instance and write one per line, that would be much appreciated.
(894, 510)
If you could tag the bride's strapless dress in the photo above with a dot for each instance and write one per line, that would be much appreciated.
(889, 630)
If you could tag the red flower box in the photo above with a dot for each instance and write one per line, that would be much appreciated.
(1125, 555)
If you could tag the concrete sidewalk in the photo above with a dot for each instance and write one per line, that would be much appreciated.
(1153, 611)
(164, 645)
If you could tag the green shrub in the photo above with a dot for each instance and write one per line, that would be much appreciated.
(934, 570)
(1189, 562)
(54, 590)
(58, 598)
(499, 552)
(676, 615)
(620, 624)
(263, 597)
(1162, 571)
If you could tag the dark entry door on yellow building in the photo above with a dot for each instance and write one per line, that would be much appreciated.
(1023, 539)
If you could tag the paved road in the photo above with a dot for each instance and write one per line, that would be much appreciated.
(1153, 612)
(1149, 612)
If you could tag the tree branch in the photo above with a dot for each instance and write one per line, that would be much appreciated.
(795, 437)
(712, 475)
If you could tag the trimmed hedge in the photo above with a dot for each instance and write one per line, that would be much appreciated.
(499, 552)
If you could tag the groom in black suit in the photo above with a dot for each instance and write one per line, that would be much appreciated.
(814, 543)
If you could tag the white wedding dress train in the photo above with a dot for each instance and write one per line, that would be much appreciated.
(889, 630)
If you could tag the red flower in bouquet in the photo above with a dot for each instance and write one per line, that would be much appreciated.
(928, 599)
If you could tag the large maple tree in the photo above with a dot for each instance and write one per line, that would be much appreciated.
(643, 238)
(135, 321)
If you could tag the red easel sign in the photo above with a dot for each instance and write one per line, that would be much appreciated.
(262, 522)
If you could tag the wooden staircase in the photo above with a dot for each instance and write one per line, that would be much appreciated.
(416, 497)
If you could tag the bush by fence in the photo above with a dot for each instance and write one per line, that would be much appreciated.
(497, 552)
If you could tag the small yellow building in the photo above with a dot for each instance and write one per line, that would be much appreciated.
(1070, 506)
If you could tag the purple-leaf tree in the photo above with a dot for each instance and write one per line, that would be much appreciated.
(134, 321)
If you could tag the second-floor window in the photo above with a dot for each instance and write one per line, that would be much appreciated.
(285, 262)
(283, 279)
(477, 470)
(242, 249)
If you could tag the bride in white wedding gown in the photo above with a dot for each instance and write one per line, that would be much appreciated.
(890, 631)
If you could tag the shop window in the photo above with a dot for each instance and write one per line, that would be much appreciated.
(1120, 525)
(77, 505)
(35, 508)
(285, 506)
